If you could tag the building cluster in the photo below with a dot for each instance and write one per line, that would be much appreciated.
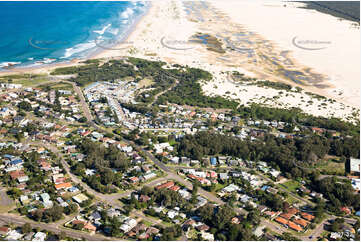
(33, 197)
(6, 233)
(60, 104)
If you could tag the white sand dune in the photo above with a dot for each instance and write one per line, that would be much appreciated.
(339, 60)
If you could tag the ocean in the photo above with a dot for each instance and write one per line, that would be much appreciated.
(38, 33)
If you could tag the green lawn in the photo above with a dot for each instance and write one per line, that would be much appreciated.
(58, 86)
(219, 187)
(172, 142)
(292, 185)
(167, 224)
(147, 223)
(291, 200)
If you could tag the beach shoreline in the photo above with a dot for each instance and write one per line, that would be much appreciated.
(124, 38)
(47, 67)
(175, 19)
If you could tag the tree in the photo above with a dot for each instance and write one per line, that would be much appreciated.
(62, 235)
(223, 216)
(195, 188)
(206, 212)
(82, 120)
(53, 214)
(285, 206)
(312, 157)
(337, 224)
(289, 237)
(146, 190)
(254, 217)
(38, 214)
(24, 105)
(26, 228)
(15, 192)
(107, 176)
(71, 208)
(121, 162)
(78, 226)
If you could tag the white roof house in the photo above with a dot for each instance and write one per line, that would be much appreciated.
(149, 176)
(231, 188)
(80, 198)
(207, 236)
(39, 236)
(128, 225)
(172, 213)
(14, 235)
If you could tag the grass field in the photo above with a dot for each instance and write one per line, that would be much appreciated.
(330, 167)
(30, 82)
(292, 185)
(25, 79)
(146, 82)
(57, 86)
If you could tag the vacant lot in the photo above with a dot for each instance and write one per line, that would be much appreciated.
(5, 201)
(330, 167)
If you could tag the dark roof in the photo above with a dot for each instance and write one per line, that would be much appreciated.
(96, 215)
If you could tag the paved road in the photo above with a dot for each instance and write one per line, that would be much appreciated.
(290, 193)
(188, 184)
(78, 91)
(86, 110)
(112, 199)
(170, 174)
(10, 218)
(273, 226)
(317, 231)
(162, 92)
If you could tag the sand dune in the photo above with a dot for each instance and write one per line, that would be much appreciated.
(340, 58)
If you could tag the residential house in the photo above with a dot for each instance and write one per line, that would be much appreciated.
(65, 185)
(303, 223)
(307, 216)
(39, 236)
(294, 226)
(166, 185)
(207, 236)
(4, 231)
(223, 176)
(90, 227)
(281, 221)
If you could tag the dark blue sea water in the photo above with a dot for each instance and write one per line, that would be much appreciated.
(33, 33)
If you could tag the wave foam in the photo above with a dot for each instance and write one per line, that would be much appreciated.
(127, 13)
(78, 49)
(10, 63)
(113, 31)
(102, 31)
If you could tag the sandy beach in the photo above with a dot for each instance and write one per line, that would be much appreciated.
(340, 58)
(258, 39)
